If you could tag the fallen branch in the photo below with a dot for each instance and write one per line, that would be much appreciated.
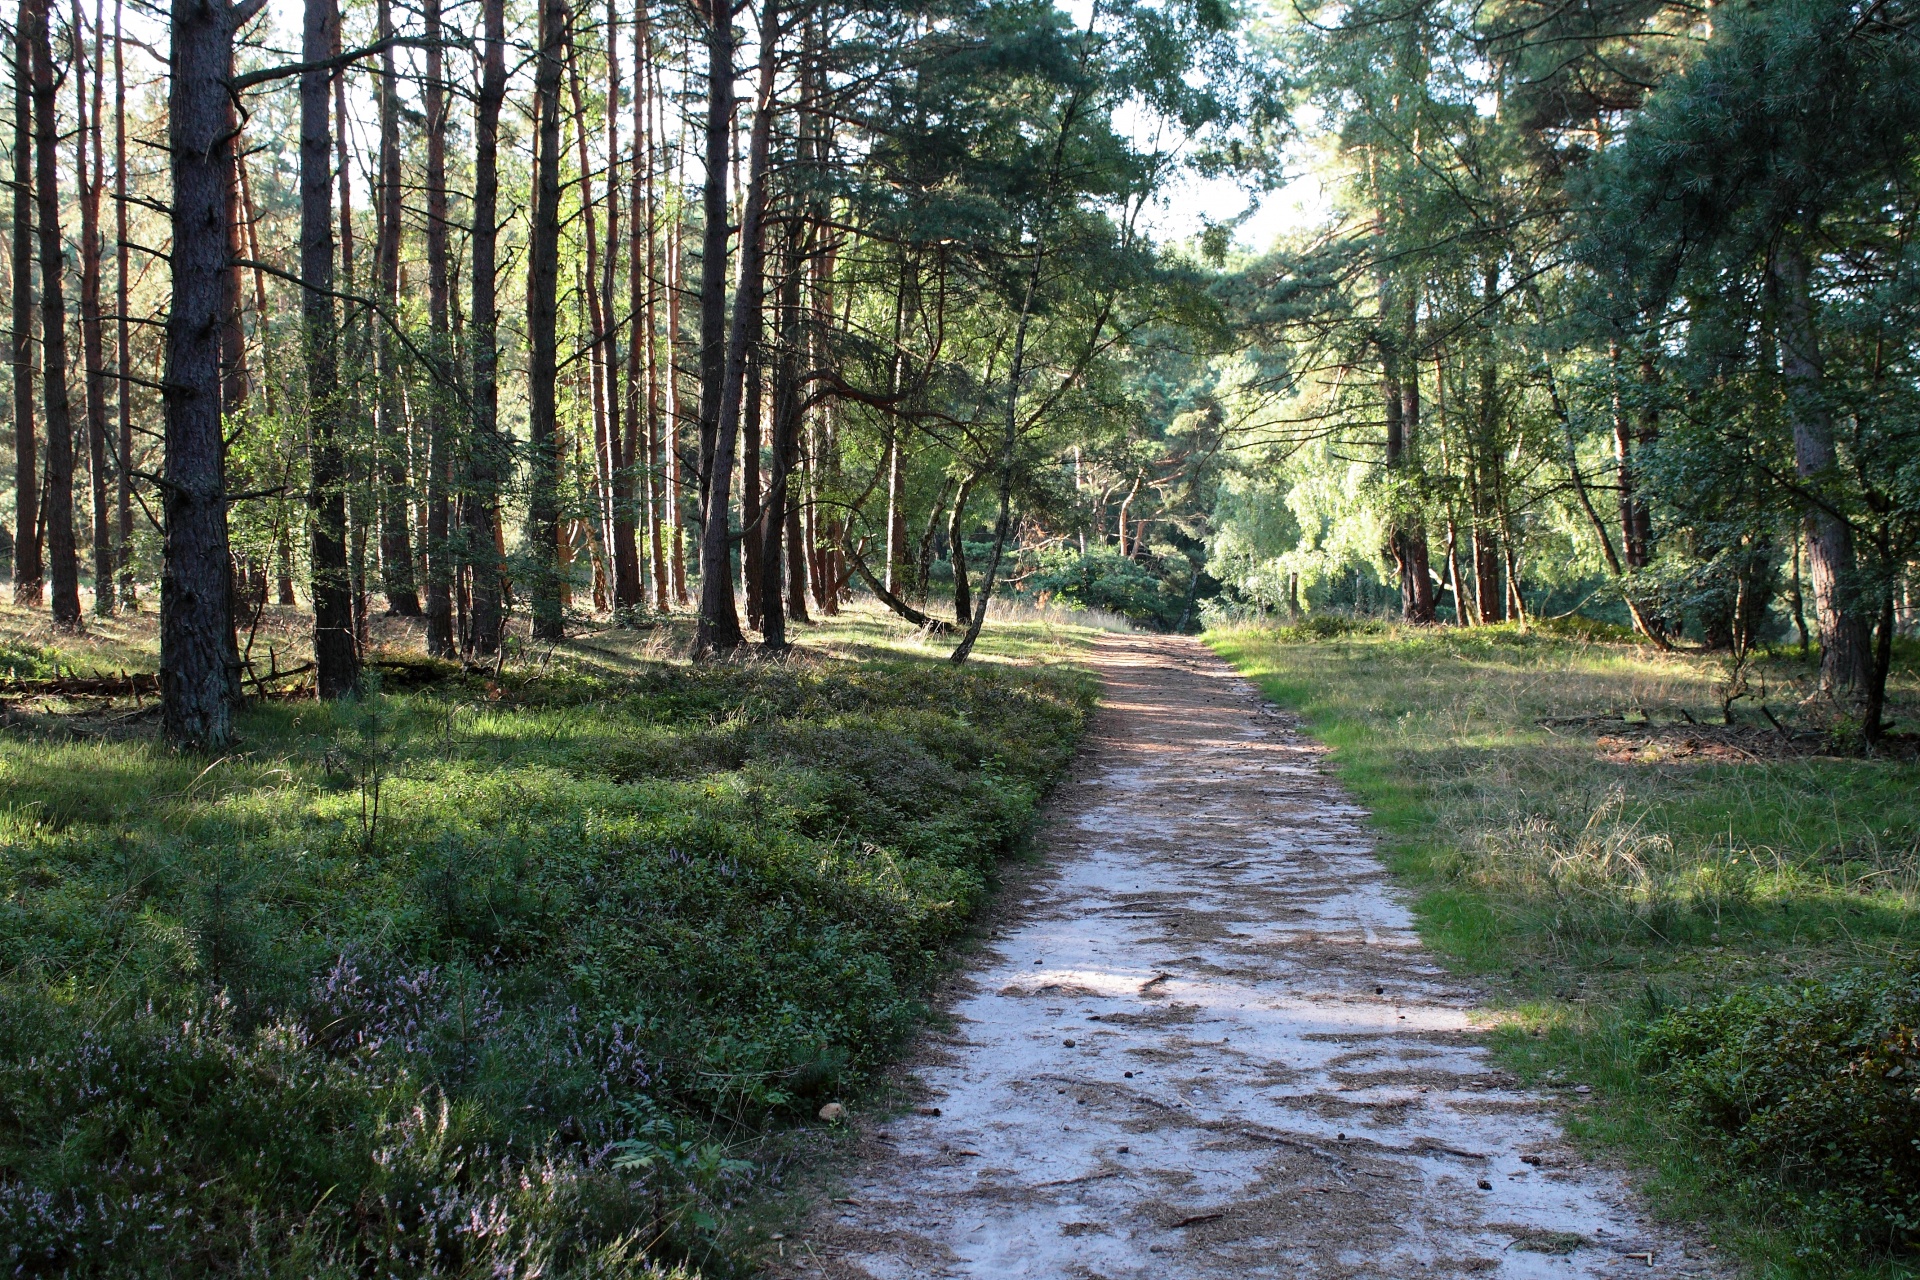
(107, 686)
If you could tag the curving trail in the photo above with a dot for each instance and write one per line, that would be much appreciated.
(1209, 1045)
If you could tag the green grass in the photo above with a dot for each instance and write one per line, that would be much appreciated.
(1594, 895)
(538, 975)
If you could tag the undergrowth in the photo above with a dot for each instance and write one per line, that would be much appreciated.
(475, 977)
(1608, 902)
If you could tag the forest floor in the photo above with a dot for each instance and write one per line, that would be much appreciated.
(1206, 1041)
(546, 968)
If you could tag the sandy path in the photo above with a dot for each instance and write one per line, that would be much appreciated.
(1210, 1045)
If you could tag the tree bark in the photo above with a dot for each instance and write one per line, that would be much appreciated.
(335, 651)
(605, 438)
(485, 460)
(92, 352)
(1416, 580)
(396, 540)
(123, 360)
(643, 361)
(235, 386)
(718, 627)
(781, 447)
(28, 585)
(751, 512)
(899, 569)
(353, 350)
(199, 662)
(713, 247)
(62, 553)
(1829, 539)
(440, 349)
(957, 549)
(543, 282)
(623, 428)
(670, 444)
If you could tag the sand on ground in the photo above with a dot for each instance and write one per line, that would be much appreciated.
(1208, 1043)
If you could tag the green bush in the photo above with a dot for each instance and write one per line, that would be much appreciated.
(1110, 581)
(1814, 1091)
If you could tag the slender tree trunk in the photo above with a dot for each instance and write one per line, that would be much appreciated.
(1829, 540)
(62, 553)
(750, 501)
(92, 344)
(123, 359)
(642, 282)
(957, 550)
(1416, 583)
(923, 555)
(353, 351)
(1798, 601)
(605, 427)
(27, 571)
(199, 663)
(676, 488)
(718, 628)
(336, 652)
(1633, 553)
(440, 571)
(396, 540)
(785, 429)
(235, 385)
(485, 461)
(247, 219)
(543, 279)
(899, 569)
(1873, 716)
(718, 15)
(623, 427)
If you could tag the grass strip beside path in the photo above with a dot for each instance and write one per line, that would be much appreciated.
(1595, 888)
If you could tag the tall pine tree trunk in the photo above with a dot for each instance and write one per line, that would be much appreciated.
(627, 592)
(123, 345)
(92, 343)
(670, 442)
(643, 274)
(486, 460)
(27, 571)
(716, 580)
(336, 652)
(606, 442)
(353, 350)
(199, 663)
(718, 627)
(781, 451)
(235, 385)
(396, 538)
(750, 508)
(543, 284)
(62, 554)
(1416, 582)
(440, 349)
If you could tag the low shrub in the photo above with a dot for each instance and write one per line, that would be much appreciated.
(1814, 1091)
(506, 978)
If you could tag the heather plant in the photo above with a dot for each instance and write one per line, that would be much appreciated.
(517, 976)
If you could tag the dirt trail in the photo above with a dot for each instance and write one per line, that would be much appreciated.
(1210, 1045)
